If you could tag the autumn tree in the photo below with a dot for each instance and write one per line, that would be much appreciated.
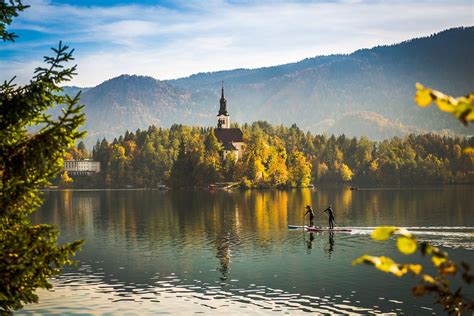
(299, 170)
(66, 179)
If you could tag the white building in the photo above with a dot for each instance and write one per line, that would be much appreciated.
(82, 167)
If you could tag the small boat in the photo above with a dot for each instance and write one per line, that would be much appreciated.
(326, 229)
(296, 227)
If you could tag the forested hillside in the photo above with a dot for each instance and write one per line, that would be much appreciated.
(367, 93)
(277, 156)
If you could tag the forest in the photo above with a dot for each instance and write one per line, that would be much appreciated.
(275, 156)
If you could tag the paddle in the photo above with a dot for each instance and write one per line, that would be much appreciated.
(304, 235)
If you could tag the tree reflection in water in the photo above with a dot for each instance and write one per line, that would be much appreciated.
(223, 253)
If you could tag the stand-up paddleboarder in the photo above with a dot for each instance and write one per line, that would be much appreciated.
(330, 213)
(311, 215)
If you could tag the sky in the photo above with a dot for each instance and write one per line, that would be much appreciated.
(173, 39)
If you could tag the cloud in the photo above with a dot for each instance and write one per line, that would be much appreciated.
(195, 36)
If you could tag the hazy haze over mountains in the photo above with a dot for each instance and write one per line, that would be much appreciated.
(369, 92)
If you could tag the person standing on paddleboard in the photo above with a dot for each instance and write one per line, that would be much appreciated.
(311, 215)
(330, 213)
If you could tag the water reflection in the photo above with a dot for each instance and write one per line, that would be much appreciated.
(330, 246)
(309, 242)
(238, 241)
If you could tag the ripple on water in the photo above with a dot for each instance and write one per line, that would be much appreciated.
(96, 294)
(450, 237)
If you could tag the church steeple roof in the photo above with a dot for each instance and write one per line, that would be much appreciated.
(223, 103)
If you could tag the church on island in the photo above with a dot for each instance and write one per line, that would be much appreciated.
(231, 139)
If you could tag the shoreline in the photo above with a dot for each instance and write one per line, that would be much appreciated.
(327, 187)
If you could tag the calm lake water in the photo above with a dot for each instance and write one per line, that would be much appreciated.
(185, 252)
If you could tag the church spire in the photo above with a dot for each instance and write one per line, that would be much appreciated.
(223, 103)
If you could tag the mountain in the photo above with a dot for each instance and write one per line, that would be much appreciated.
(369, 92)
(131, 102)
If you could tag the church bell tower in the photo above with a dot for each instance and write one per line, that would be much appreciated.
(223, 118)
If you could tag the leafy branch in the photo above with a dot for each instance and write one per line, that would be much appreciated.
(9, 10)
(453, 300)
(461, 107)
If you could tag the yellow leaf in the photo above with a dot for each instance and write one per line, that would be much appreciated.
(396, 270)
(444, 106)
(358, 260)
(382, 263)
(439, 95)
(469, 150)
(428, 278)
(404, 232)
(364, 259)
(423, 97)
(406, 245)
(386, 264)
(438, 260)
(470, 116)
(448, 267)
(415, 268)
(383, 232)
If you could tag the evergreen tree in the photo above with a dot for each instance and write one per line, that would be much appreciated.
(29, 254)
(183, 169)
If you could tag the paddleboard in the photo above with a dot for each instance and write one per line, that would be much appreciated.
(321, 229)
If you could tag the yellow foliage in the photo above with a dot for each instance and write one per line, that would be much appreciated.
(130, 147)
(406, 245)
(437, 261)
(322, 169)
(423, 96)
(119, 151)
(415, 268)
(65, 178)
(383, 232)
(386, 264)
(469, 151)
(68, 156)
(461, 107)
(374, 165)
(428, 278)
(449, 267)
(444, 106)
(346, 172)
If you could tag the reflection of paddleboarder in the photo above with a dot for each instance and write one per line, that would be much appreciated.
(331, 242)
(330, 213)
(311, 215)
(309, 243)
(329, 247)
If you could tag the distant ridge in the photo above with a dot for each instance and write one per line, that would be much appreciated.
(369, 92)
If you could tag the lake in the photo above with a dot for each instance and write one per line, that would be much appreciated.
(185, 252)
